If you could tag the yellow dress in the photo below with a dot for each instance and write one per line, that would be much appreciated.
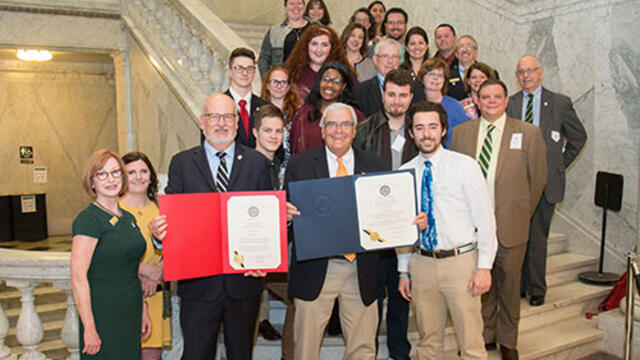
(160, 328)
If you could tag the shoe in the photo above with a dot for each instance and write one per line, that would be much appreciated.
(509, 354)
(523, 295)
(536, 300)
(490, 346)
(267, 331)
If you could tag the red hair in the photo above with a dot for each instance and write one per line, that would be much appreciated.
(299, 61)
(291, 101)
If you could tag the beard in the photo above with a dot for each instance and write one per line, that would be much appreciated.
(213, 139)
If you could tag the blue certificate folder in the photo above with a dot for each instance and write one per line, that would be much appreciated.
(328, 221)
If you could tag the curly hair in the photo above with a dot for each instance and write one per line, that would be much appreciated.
(364, 48)
(299, 60)
(152, 190)
(346, 96)
(291, 101)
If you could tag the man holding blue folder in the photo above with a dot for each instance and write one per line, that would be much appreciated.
(452, 266)
(353, 279)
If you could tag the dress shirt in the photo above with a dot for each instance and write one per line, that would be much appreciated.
(396, 156)
(496, 136)
(537, 96)
(214, 161)
(461, 205)
(237, 98)
(380, 82)
(461, 71)
(332, 161)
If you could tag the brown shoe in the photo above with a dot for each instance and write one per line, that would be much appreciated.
(490, 346)
(509, 354)
(267, 331)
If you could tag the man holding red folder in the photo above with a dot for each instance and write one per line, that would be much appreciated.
(218, 165)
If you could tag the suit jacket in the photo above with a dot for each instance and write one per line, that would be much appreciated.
(563, 133)
(369, 97)
(307, 277)
(241, 136)
(189, 172)
(521, 175)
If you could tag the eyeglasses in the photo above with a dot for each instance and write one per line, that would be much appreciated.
(435, 74)
(275, 82)
(214, 117)
(334, 81)
(386, 57)
(104, 175)
(467, 47)
(528, 71)
(249, 69)
(396, 22)
(333, 125)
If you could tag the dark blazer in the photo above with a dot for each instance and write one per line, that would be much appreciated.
(369, 97)
(241, 136)
(562, 132)
(307, 277)
(189, 172)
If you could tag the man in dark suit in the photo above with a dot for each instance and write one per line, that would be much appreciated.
(242, 71)
(446, 43)
(387, 55)
(512, 157)
(315, 284)
(564, 136)
(229, 300)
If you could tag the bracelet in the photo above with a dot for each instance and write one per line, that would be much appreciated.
(404, 275)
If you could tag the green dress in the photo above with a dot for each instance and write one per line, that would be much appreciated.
(116, 296)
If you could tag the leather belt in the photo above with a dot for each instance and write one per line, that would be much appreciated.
(441, 254)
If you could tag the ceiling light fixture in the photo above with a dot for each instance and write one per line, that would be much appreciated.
(34, 55)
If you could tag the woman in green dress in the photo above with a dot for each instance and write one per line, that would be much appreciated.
(105, 253)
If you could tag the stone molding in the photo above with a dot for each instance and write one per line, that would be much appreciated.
(523, 12)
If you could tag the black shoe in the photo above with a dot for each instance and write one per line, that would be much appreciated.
(490, 346)
(267, 331)
(509, 354)
(523, 295)
(536, 300)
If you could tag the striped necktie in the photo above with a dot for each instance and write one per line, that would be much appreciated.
(528, 115)
(222, 175)
(429, 235)
(342, 171)
(484, 158)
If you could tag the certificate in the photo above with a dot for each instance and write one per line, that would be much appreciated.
(354, 214)
(224, 233)
(386, 209)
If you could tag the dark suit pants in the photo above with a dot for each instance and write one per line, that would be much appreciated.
(534, 268)
(501, 305)
(397, 307)
(201, 320)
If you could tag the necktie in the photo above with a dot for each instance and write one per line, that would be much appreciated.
(528, 114)
(484, 157)
(429, 235)
(342, 171)
(222, 175)
(244, 116)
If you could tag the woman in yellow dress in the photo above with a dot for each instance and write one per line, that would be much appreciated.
(140, 201)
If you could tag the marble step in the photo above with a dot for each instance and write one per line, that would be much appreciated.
(53, 349)
(565, 267)
(45, 294)
(253, 34)
(51, 331)
(47, 313)
(557, 243)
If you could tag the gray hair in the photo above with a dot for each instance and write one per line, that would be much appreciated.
(338, 106)
(467, 36)
(387, 42)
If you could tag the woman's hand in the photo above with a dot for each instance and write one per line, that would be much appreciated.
(92, 342)
(146, 321)
(158, 227)
(149, 286)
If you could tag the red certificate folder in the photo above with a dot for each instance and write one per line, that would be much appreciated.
(196, 244)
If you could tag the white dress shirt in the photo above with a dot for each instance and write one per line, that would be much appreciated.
(496, 137)
(236, 97)
(462, 208)
(332, 161)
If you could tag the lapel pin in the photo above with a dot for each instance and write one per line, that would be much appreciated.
(239, 157)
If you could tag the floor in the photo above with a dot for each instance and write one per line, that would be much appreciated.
(54, 243)
(600, 356)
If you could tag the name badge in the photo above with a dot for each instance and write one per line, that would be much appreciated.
(555, 135)
(454, 80)
(398, 144)
(516, 141)
(113, 221)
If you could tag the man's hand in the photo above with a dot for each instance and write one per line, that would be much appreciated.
(158, 227)
(291, 211)
(256, 274)
(480, 283)
(404, 288)
(421, 221)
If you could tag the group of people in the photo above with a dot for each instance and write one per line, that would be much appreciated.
(489, 169)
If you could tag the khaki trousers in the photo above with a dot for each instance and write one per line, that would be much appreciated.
(359, 322)
(438, 287)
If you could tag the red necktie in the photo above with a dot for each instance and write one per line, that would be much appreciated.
(244, 116)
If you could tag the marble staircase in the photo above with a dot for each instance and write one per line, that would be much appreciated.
(253, 34)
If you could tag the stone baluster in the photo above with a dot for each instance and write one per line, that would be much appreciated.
(176, 32)
(185, 43)
(29, 328)
(148, 15)
(158, 15)
(205, 67)
(5, 352)
(167, 26)
(193, 54)
(216, 75)
(71, 323)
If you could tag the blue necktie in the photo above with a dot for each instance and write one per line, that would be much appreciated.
(429, 235)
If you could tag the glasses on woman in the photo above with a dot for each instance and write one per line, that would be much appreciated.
(280, 83)
(335, 81)
(104, 175)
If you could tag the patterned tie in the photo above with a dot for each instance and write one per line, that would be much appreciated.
(244, 116)
(484, 158)
(342, 171)
(429, 235)
(528, 115)
(222, 175)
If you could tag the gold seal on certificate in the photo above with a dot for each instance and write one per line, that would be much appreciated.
(254, 232)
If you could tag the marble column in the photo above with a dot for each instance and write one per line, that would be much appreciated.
(125, 122)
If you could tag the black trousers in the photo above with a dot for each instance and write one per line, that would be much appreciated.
(201, 320)
(534, 269)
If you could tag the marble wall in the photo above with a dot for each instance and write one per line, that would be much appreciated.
(65, 111)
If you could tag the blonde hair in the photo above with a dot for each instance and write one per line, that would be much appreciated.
(94, 163)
